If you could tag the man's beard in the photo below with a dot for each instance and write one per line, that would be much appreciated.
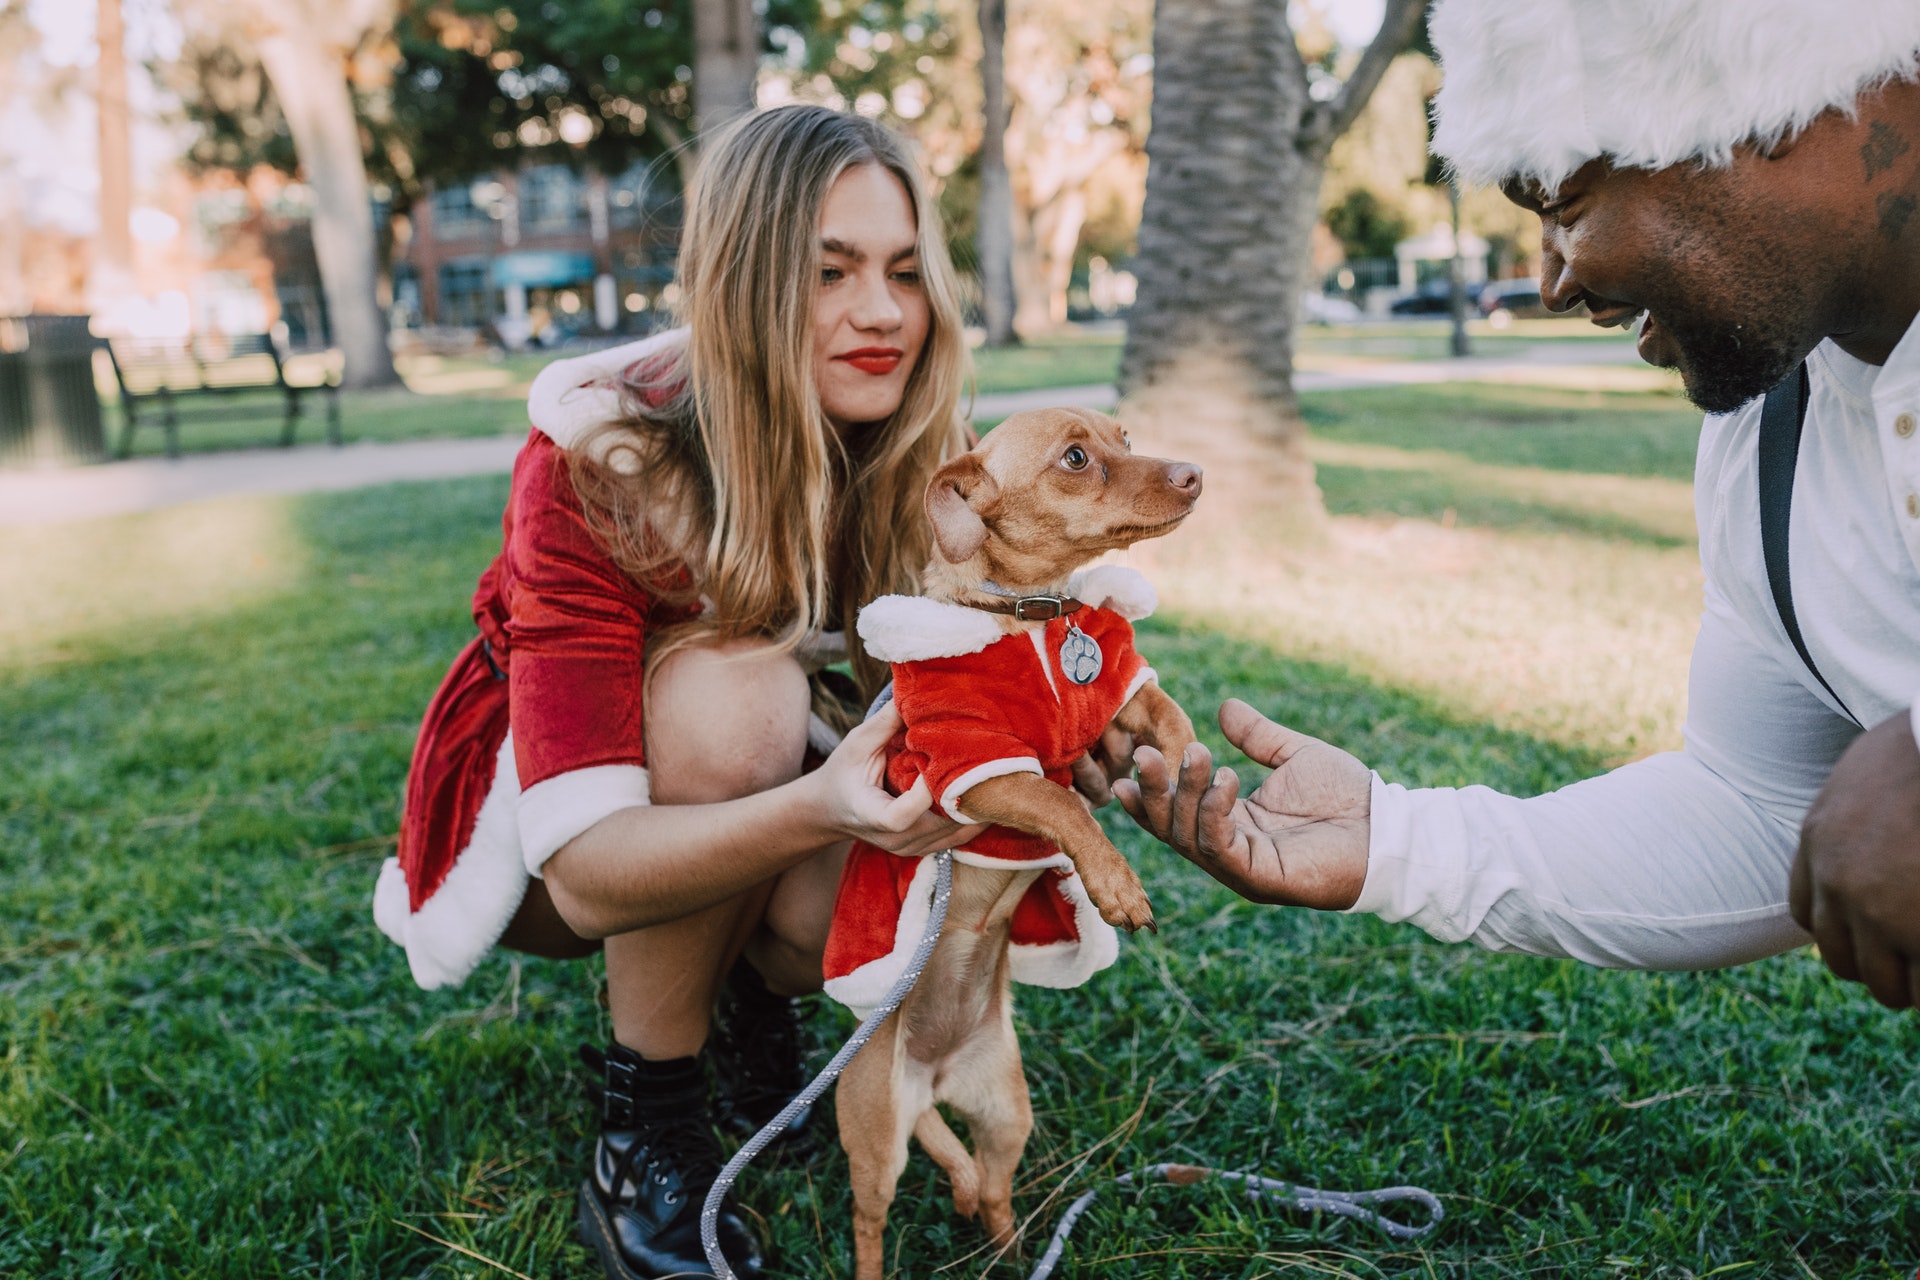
(1723, 367)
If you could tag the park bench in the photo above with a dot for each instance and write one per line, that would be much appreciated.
(172, 377)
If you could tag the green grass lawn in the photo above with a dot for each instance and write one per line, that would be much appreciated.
(474, 396)
(1448, 452)
(215, 1067)
(479, 396)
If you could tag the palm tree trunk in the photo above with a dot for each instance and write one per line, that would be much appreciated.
(309, 79)
(1236, 156)
(726, 60)
(994, 234)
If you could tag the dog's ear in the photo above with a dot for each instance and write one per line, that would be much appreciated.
(957, 494)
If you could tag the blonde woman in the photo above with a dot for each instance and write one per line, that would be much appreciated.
(620, 760)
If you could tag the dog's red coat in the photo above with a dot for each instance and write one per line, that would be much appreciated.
(979, 709)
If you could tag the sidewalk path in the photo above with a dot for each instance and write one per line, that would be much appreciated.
(83, 493)
(116, 488)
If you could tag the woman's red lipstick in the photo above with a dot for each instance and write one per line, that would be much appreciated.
(878, 361)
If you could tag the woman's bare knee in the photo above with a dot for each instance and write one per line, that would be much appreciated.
(725, 721)
(793, 933)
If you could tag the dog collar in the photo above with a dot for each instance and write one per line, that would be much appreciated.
(1034, 607)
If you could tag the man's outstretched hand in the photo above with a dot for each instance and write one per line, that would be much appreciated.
(1301, 839)
(1856, 881)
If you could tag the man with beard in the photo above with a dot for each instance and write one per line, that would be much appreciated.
(1740, 177)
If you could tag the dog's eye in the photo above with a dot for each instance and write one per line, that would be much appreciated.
(1075, 458)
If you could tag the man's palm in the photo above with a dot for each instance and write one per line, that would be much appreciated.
(1300, 839)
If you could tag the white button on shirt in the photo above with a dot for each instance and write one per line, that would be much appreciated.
(1681, 860)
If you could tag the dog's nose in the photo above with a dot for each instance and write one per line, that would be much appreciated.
(1185, 477)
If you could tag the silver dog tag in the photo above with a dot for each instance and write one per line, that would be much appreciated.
(1080, 657)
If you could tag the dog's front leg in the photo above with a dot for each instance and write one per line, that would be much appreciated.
(1152, 716)
(1027, 802)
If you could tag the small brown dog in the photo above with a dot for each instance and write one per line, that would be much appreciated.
(1041, 497)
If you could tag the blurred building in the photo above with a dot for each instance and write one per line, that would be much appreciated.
(539, 254)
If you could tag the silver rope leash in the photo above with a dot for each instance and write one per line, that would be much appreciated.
(710, 1211)
(1346, 1204)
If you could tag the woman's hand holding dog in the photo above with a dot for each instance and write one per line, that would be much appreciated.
(1299, 840)
(853, 804)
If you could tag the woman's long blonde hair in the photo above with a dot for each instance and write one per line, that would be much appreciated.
(726, 443)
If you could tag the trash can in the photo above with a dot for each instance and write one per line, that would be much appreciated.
(49, 405)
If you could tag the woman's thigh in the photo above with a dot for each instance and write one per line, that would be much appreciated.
(724, 721)
(720, 722)
(730, 721)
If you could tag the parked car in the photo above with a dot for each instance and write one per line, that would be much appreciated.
(1434, 298)
(1502, 301)
(1505, 301)
(1321, 308)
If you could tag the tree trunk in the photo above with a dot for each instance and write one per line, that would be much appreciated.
(726, 60)
(1045, 244)
(1058, 230)
(309, 80)
(1236, 156)
(994, 235)
(113, 269)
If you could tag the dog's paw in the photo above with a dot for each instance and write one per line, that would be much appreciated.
(1003, 1229)
(1122, 902)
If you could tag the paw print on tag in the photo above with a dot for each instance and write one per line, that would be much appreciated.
(1080, 657)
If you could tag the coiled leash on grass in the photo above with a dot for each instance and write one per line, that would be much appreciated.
(1346, 1204)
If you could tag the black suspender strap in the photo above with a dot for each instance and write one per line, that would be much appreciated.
(1782, 419)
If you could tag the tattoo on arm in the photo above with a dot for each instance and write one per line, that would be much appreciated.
(1884, 145)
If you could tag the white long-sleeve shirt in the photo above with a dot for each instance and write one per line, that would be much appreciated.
(1681, 860)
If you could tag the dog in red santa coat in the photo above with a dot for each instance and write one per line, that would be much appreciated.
(1008, 670)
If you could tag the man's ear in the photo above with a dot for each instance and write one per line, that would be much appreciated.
(956, 496)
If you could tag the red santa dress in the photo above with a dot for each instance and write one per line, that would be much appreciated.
(535, 733)
(979, 703)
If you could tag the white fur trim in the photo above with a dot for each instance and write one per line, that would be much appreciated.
(1039, 638)
(1145, 677)
(390, 902)
(820, 735)
(866, 986)
(555, 811)
(571, 397)
(1054, 964)
(1536, 88)
(1068, 964)
(1116, 587)
(914, 628)
(950, 798)
(455, 928)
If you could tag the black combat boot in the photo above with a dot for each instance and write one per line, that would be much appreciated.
(656, 1158)
(757, 1061)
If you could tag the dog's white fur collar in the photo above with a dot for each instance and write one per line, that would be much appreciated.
(914, 628)
(1536, 88)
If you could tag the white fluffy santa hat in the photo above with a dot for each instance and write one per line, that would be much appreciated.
(1536, 88)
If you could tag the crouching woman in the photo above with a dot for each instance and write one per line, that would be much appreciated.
(619, 761)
